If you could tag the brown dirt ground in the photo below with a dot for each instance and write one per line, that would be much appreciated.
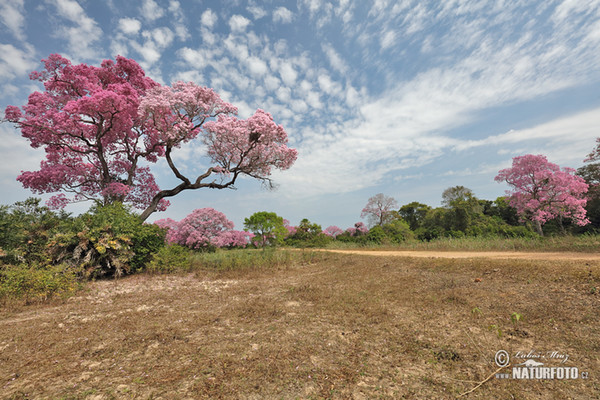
(517, 255)
(338, 326)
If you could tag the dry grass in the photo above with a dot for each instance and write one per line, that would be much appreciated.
(343, 326)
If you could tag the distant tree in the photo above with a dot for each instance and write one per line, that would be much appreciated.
(414, 213)
(333, 231)
(203, 228)
(308, 234)
(267, 227)
(500, 208)
(541, 191)
(455, 195)
(379, 209)
(591, 174)
(358, 229)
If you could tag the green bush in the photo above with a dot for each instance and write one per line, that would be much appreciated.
(106, 241)
(398, 231)
(376, 235)
(25, 229)
(37, 283)
(170, 259)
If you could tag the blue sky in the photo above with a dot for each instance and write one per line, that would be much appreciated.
(404, 98)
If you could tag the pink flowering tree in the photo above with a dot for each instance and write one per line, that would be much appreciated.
(379, 210)
(101, 126)
(251, 147)
(542, 191)
(358, 229)
(333, 231)
(203, 228)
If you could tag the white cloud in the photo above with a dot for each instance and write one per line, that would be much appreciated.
(84, 32)
(257, 66)
(283, 15)
(582, 126)
(334, 58)
(163, 37)
(328, 86)
(177, 13)
(272, 82)
(17, 156)
(238, 23)
(288, 73)
(388, 39)
(209, 18)
(12, 15)
(15, 62)
(129, 26)
(256, 11)
(151, 11)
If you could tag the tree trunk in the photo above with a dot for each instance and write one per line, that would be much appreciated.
(538, 227)
(560, 223)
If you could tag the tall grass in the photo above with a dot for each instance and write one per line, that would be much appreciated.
(176, 258)
(581, 243)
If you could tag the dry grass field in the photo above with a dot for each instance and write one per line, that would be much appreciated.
(331, 326)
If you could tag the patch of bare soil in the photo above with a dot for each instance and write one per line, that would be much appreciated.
(345, 326)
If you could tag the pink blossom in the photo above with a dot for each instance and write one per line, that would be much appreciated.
(379, 209)
(333, 231)
(541, 190)
(202, 228)
(99, 125)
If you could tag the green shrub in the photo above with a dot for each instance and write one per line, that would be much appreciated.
(36, 282)
(376, 235)
(106, 241)
(25, 229)
(398, 231)
(170, 259)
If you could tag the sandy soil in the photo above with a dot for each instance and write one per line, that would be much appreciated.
(498, 255)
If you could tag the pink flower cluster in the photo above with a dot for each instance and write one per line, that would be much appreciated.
(87, 121)
(358, 229)
(541, 191)
(99, 125)
(333, 231)
(204, 227)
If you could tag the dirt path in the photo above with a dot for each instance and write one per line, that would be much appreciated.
(476, 254)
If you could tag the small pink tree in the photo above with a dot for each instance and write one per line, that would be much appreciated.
(379, 209)
(333, 231)
(97, 125)
(202, 228)
(358, 229)
(541, 191)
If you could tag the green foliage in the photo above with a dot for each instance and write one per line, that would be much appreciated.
(500, 208)
(515, 318)
(25, 228)
(308, 234)
(267, 227)
(464, 215)
(35, 283)
(591, 174)
(414, 213)
(170, 259)
(376, 235)
(108, 240)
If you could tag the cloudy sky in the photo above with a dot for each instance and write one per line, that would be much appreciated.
(404, 97)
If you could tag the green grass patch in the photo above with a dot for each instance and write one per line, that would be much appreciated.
(582, 243)
(37, 283)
